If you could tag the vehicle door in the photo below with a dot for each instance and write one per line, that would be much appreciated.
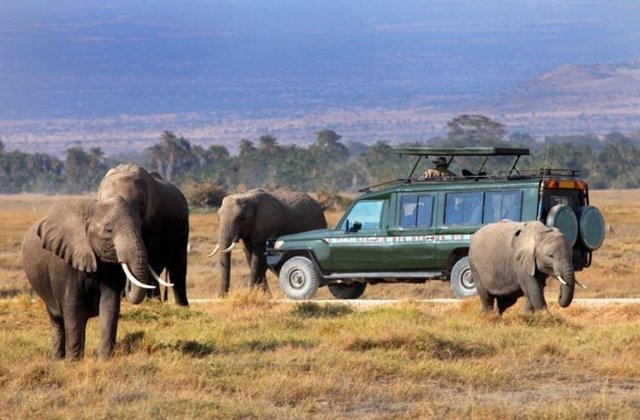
(411, 236)
(356, 243)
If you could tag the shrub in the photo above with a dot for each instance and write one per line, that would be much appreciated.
(206, 194)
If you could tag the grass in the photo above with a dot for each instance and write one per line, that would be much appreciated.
(250, 357)
(238, 359)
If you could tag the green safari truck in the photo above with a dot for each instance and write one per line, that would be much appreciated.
(415, 230)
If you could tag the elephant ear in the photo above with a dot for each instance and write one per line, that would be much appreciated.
(524, 248)
(63, 231)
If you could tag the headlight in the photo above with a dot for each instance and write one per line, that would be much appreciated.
(278, 244)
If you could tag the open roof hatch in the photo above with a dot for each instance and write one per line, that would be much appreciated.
(452, 152)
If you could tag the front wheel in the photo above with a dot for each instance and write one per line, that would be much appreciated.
(462, 282)
(299, 278)
(346, 290)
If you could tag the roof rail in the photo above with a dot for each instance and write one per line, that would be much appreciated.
(462, 151)
(421, 152)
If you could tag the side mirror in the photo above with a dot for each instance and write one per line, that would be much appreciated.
(356, 227)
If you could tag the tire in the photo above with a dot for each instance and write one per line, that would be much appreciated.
(591, 228)
(564, 218)
(347, 290)
(461, 281)
(299, 278)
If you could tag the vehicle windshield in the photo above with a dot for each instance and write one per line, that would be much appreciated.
(368, 213)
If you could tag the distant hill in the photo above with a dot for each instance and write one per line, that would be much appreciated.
(569, 99)
(574, 99)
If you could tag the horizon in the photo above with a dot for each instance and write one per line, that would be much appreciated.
(208, 69)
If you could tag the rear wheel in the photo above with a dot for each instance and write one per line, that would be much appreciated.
(299, 278)
(462, 282)
(347, 290)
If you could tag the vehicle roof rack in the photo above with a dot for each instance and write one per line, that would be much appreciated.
(463, 151)
(512, 173)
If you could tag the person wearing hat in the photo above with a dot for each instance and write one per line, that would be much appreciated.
(440, 170)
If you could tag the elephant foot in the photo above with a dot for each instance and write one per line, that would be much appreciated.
(505, 303)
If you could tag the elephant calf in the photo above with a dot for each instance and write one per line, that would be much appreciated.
(74, 259)
(511, 259)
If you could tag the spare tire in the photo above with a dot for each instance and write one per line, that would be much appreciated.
(564, 218)
(591, 227)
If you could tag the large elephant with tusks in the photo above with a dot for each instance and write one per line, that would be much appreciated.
(253, 217)
(77, 258)
(162, 215)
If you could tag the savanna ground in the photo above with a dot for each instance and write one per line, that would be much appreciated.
(248, 356)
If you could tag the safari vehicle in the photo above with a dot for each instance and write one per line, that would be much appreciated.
(412, 230)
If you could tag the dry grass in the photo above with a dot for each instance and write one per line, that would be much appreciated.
(249, 357)
(613, 273)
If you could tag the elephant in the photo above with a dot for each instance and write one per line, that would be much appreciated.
(513, 259)
(256, 215)
(77, 258)
(163, 217)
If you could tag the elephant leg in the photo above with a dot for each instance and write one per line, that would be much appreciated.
(58, 336)
(75, 325)
(505, 302)
(488, 302)
(258, 270)
(178, 276)
(534, 291)
(109, 311)
(528, 306)
(486, 299)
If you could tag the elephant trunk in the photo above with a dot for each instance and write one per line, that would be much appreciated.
(568, 286)
(225, 241)
(131, 251)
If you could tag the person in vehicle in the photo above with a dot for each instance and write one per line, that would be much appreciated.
(440, 170)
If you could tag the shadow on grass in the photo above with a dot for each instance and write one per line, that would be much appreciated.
(428, 344)
(194, 348)
(9, 293)
(313, 310)
(131, 342)
(264, 345)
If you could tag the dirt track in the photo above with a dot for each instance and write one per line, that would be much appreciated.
(364, 303)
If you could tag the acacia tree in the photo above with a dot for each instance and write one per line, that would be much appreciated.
(475, 130)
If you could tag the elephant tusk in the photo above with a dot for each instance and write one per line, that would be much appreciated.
(133, 278)
(215, 251)
(581, 285)
(561, 280)
(224, 251)
(158, 279)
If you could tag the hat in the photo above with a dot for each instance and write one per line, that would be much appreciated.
(441, 161)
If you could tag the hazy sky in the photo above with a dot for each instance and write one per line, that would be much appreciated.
(68, 58)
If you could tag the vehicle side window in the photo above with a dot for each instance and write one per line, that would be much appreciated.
(368, 213)
(463, 209)
(500, 205)
(416, 211)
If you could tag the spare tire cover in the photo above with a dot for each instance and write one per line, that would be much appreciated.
(591, 227)
(563, 218)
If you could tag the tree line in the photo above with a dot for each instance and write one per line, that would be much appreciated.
(327, 164)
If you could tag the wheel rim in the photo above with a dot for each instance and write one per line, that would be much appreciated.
(466, 280)
(296, 279)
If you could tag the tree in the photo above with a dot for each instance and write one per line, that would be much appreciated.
(475, 130)
(249, 165)
(83, 171)
(172, 158)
